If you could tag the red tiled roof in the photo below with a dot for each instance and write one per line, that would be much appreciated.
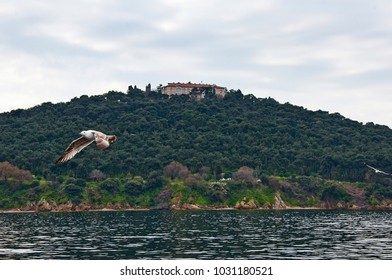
(191, 85)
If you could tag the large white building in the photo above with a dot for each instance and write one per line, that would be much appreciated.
(190, 88)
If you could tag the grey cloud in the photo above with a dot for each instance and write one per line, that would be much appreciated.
(290, 50)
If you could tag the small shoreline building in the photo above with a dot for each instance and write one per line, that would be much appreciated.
(198, 91)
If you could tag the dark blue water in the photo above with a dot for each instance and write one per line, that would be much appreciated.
(302, 234)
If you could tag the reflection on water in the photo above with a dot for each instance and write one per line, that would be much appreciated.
(303, 234)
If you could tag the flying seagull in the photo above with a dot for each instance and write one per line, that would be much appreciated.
(377, 170)
(88, 136)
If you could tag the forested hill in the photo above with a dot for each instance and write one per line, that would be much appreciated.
(221, 134)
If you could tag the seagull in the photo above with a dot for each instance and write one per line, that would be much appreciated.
(102, 140)
(377, 170)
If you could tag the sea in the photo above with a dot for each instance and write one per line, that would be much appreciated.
(199, 234)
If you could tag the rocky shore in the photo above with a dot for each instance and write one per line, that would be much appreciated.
(245, 204)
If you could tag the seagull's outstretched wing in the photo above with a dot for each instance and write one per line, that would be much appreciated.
(75, 147)
(378, 170)
(371, 167)
(382, 172)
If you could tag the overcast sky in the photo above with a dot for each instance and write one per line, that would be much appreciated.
(320, 54)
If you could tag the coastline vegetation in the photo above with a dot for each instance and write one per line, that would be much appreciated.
(177, 153)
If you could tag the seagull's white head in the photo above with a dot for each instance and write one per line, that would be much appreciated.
(88, 134)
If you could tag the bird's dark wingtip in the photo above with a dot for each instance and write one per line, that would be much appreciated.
(58, 161)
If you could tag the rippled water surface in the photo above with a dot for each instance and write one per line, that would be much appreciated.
(303, 234)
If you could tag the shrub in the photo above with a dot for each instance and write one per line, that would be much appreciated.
(335, 194)
(110, 185)
(175, 170)
(163, 198)
(245, 176)
(97, 175)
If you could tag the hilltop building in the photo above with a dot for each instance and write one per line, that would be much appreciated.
(198, 91)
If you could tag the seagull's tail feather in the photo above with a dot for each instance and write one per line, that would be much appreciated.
(112, 138)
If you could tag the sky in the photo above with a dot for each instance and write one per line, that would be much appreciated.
(331, 55)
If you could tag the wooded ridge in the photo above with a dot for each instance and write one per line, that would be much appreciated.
(310, 158)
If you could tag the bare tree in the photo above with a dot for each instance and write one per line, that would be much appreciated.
(245, 174)
(163, 199)
(97, 175)
(176, 170)
(7, 170)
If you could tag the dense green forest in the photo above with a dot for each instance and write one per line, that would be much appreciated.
(265, 147)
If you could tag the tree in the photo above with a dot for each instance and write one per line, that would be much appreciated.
(163, 198)
(334, 194)
(7, 171)
(175, 170)
(195, 181)
(97, 175)
(74, 192)
(133, 187)
(154, 180)
(110, 185)
(245, 175)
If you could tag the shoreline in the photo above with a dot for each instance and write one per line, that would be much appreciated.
(194, 209)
